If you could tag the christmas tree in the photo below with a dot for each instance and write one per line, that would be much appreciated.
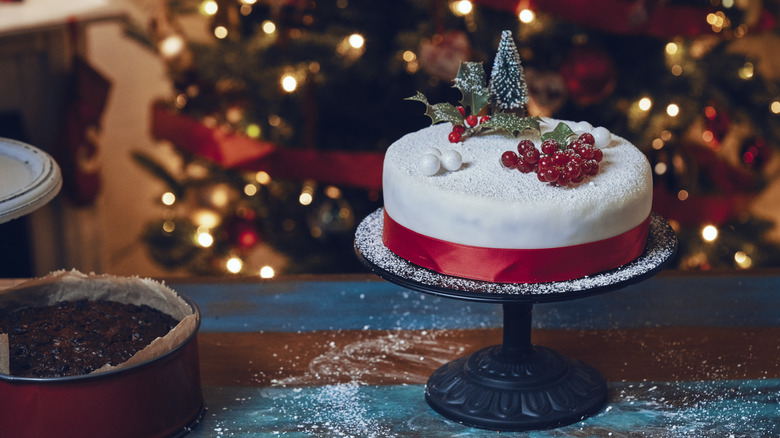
(283, 110)
(507, 80)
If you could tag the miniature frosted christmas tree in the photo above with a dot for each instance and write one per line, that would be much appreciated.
(506, 93)
(507, 80)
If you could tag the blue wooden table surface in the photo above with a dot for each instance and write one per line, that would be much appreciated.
(685, 355)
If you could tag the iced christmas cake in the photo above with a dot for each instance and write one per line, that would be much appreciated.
(493, 194)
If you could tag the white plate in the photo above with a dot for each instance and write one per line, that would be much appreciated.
(29, 178)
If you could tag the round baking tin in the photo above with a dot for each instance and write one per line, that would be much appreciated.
(160, 397)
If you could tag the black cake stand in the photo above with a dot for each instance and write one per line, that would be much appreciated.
(516, 385)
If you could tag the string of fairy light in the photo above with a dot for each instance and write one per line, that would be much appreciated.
(207, 220)
(351, 46)
(678, 54)
(170, 47)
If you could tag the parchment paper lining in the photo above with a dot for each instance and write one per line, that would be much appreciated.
(73, 285)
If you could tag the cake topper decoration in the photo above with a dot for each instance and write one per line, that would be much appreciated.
(432, 160)
(470, 80)
(565, 158)
(560, 163)
(507, 80)
(499, 106)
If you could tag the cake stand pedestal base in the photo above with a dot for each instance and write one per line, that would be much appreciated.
(516, 386)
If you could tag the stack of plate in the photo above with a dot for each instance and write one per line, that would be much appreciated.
(29, 178)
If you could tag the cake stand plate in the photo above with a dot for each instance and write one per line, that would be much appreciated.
(516, 385)
(29, 178)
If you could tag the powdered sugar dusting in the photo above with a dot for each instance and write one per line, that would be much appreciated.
(661, 246)
(402, 357)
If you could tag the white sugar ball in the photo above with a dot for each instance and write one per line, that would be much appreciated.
(429, 164)
(432, 151)
(451, 160)
(581, 127)
(602, 137)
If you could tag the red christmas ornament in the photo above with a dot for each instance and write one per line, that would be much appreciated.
(589, 74)
(248, 239)
(716, 122)
(755, 153)
(243, 233)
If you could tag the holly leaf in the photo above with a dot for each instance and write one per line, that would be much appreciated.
(444, 112)
(470, 80)
(419, 97)
(512, 123)
(561, 134)
(440, 112)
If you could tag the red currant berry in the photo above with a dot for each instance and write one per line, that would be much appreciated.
(454, 137)
(577, 179)
(531, 155)
(551, 174)
(545, 162)
(563, 179)
(509, 159)
(472, 120)
(459, 129)
(560, 158)
(549, 146)
(573, 169)
(523, 145)
(587, 152)
(525, 167)
(540, 176)
(461, 110)
(587, 138)
(576, 159)
(587, 166)
(484, 119)
(590, 167)
(598, 155)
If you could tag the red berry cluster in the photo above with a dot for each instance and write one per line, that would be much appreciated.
(470, 123)
(555, 164)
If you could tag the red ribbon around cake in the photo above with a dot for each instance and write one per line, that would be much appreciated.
(501, 265)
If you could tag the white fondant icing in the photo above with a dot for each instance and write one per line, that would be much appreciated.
(486, 205)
